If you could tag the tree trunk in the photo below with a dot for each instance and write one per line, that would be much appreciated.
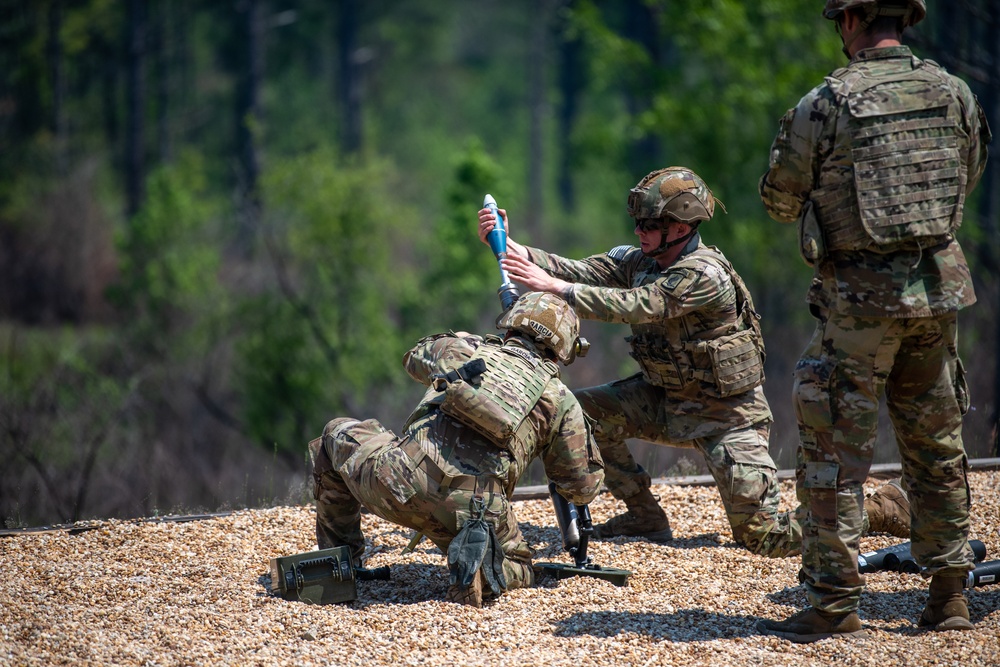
(162, 43)
(642, 26)
(134, 157)
(349, 83)
(248, 116)
(538, 111)
(57, 72)
(572, 80)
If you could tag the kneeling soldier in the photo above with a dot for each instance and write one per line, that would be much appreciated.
(492, 406)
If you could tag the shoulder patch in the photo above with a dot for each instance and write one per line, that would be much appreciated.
(618, 252)
(674, 280)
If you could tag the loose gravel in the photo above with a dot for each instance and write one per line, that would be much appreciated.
(197, 593)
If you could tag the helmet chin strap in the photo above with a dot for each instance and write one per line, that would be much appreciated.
(667, 245)
(854, 34)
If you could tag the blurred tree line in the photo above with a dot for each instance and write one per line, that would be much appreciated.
(223, 223)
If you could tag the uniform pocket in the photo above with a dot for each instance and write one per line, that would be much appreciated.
(397, 472)
(811, 387)
(736, 363)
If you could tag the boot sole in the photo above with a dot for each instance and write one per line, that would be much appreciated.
(953, 623)
(815, 637)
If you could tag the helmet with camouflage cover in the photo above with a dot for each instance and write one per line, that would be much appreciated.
(674, 193)
(911, 11)
(548, 320)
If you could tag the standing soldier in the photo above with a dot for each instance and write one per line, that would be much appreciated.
(492, 406)
(875, 164)
(698, 344)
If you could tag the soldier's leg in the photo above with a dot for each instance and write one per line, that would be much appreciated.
(746, 477)
(399, 490)
(927, 395)
(837, 385)
(621, 410)
(338, 512)
(517, 553)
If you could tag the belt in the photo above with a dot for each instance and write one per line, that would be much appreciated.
(445, 480)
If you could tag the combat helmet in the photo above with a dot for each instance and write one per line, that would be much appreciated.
(911, 11)
(674, 194)
(549, 321)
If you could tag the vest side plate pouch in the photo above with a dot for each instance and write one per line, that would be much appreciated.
(316, 577)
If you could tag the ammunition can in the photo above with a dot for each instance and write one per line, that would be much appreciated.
(315, 577)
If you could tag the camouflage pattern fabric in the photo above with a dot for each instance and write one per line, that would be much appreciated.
(692, 298)
(738, 460)
(428, 479)
(669, 311)
(849, 363)
(886, 326)
(811, 158)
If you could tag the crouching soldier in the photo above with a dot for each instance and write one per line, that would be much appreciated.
(492, 405)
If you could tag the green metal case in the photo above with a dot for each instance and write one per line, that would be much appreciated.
(315, 577)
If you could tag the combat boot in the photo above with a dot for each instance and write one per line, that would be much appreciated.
(471, 596)
(811, 624)
(946, 608)
(888, 510)
(644, 518)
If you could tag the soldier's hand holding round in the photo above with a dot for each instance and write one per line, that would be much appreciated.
(531, 275)
(487, 222)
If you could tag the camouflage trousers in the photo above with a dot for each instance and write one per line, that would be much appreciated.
(839, 379)
(738, 461)
(362, 464)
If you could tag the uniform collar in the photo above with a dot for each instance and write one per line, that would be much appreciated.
(691, 245)
(873, 53)
(689, 248)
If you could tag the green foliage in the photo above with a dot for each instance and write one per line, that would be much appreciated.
(58, 406)
(319, 338)
(459, 276)
(351, 260)
(168, 257)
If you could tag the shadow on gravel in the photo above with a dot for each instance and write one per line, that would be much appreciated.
(686, 625)
(879, 606)
(409, 583)
(542, 536)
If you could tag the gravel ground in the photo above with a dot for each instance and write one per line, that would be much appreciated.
(196, 593)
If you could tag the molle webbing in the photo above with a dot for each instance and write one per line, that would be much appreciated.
(725, 360)
(497, 405)
(909, 176)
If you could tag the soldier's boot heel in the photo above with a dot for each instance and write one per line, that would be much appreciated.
(888, 510)
(644, 518)
(947, 608)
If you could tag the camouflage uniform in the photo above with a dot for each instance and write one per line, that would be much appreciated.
(889, 278)
(432, 478)
(675, 401)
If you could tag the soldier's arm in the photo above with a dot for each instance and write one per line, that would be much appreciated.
(680, 291)
(785, 188)
(979, 140)
(593, 270)
(572, 460)
(439, 353)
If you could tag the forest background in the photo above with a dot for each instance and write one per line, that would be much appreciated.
(223, 223)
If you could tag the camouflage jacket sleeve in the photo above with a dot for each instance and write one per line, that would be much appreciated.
(594, 270)
(792, 172)
(439, 353)
(657, 294)
(571, 459)
(978, 131)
